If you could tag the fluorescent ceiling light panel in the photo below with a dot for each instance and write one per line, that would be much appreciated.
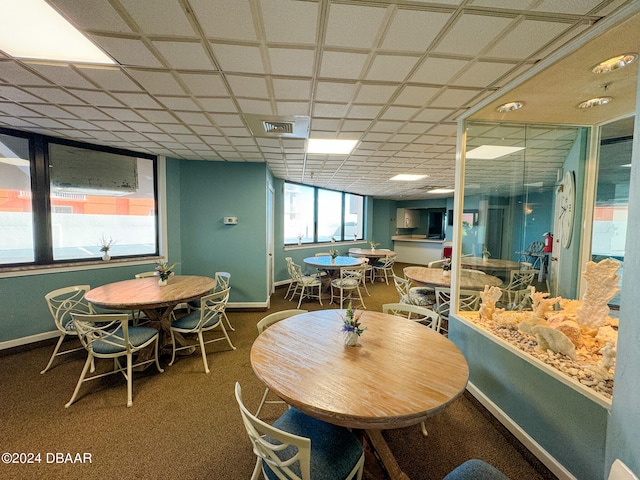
(32, 29)
(407, 177)
(491, 152)
(442, 190)
(331, 146)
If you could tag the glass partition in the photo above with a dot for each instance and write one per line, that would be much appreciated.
(513, 174)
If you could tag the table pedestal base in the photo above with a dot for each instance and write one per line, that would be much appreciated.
(383, 456)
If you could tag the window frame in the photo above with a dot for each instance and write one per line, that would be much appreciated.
(41, 199)
(315, 240)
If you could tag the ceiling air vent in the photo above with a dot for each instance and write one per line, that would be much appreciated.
(266, 126)
(278, 127)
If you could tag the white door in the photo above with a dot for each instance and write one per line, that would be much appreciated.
(270, 242)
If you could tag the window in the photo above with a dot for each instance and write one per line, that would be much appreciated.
(82, 195)
(315, 215)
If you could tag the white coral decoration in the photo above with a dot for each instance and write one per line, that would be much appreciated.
(602, 286)
(489, 296)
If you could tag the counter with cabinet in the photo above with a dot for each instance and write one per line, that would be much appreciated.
(417, 249)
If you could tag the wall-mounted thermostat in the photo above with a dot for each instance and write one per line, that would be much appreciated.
(230, 220)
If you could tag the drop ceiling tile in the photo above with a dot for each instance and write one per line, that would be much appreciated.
(576, 7)
(205, 131)
(335, 92)
(218, 105)
(513, 44)
(453, 97)
(225, 19)
(179, 103)
(399, 113)
(394, 68)
(13, 72)
(235, 131)
(193, 118)
(375, 94)
(185, 55)
(471, 34)
(291, 62)
(227, 120)
(342, 31)
(285, 89)
(413, 30)
(324, 124)
(53, 111)
(437, 70)
(132, 137)
(238, 58)
(355, 125)
(290, 22)
(158, 116)
(137, 100)
(411, 95)
(249, 87)
(93, 15)
(258, 107)
(157, 83)
(96, 98)
(55, 95)
(345, 65)
(128, 52)
(17, 95)
(292, 108)
(175, 128)
(331, 110)
(483, 74)
(48, 123)
(159, 17)
(16, 110)
(433, 114)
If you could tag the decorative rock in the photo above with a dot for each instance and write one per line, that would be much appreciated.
(602, 286)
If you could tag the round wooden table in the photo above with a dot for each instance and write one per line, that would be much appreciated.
(156, 302)
(400, 373)
(325, 262)
(371, 254)
(435, 277)
(489, 264)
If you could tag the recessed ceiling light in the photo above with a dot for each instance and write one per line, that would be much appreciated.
(407, 177)
(595, 102)
(510, 107)
(490, 152)
(615, 63)
(32, 29)
(331, 146)
(441, 190)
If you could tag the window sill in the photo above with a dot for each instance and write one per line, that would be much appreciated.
(328, 245)
(22, 271)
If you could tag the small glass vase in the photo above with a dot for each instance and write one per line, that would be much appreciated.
(162, 282)
(350, 338)
(106, 257)
(446, 273)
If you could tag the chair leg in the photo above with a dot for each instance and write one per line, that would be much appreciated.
(264, 399)
(423, 427)
(55, 352)
(129, 380)
(173, 348)
(157, 347)
(228, 322)
(88, 363)
(204, 352)
(301, 296)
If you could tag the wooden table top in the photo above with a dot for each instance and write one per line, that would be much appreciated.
(400, 373)
(367, 252)
(434, 277)
(326, 262)
(489, 263)
(141, 293)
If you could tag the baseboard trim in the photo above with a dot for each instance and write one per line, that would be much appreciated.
(534, 447)
(39, 337)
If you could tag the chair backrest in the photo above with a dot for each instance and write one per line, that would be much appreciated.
(402, 285)
(414, 312)
(64, 301)
(296, 272)
(520, 279)
(435, 264)
(276, 317)
(388, 261)
(222, 281)
(323, 254)
(268, 441)
(146, 274)
(619, 471)
(468, 301)
(109, 330)
(355, 272)
(211, 305)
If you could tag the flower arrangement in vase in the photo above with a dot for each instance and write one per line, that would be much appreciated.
(351, 326)
(373, 245)
(446, 266)
(164, 271)
(105, 246)
(486, 253)
(334, 253)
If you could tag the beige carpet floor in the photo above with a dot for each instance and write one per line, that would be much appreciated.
(185, 424)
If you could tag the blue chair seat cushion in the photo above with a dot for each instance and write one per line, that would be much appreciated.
(137, 336)
(334, 450)
(190, 321)
(477, 470)
(346, 282)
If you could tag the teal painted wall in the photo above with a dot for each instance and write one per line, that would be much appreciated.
(571, 427)
(210, 191)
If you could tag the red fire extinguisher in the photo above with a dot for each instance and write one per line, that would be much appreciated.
(548, 242)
